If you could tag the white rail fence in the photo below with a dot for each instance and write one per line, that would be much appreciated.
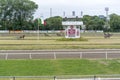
(80, 77)
(89, 77)
(62, 55)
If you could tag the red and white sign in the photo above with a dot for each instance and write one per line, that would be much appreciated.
(71, 32)
(72, 28)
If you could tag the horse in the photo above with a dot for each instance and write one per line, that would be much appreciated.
(107, 35)
(22, 37)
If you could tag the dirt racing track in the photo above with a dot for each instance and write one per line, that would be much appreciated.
(61, 54)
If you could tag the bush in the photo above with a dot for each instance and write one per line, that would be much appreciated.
(46, 34)
(73, 39)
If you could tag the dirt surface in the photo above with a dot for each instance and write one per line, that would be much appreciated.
(61, 54)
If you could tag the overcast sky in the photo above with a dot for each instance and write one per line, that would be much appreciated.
(90, 7)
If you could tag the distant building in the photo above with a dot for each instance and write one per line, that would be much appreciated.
(102, 16)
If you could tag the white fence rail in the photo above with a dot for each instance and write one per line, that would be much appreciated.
(85, 77)
(92, 79)
(62, 55)
(89, 77)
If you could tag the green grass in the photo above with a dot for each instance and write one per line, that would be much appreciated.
(58, 67)
(92, 43)
(89, 41)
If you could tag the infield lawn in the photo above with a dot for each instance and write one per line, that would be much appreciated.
(58, 67)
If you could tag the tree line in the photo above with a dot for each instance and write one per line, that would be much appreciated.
(90, 23)
(18, 15)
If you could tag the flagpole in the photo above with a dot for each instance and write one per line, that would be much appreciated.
(40, 21)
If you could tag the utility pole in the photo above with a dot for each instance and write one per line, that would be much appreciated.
(81, 14)
(64, 14)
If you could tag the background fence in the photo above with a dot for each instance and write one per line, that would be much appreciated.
(62, 55)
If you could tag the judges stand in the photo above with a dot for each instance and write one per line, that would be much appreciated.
(72, 26)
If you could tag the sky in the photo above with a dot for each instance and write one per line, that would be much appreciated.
(88, 7)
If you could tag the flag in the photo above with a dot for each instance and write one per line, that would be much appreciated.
(45, 23)
(40, 21)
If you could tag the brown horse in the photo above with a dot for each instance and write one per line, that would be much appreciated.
(22, 37)
(107, 35)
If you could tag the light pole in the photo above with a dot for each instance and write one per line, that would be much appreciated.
(107, 18)
(81, 14)
(107, 9)
(50, 12)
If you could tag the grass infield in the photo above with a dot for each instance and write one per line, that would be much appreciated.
(58, 67)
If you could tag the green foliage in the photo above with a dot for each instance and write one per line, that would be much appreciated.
(97, 23)
(93, 22)
(54, 23)
(16, 14)
(115, 22)
(73, 39)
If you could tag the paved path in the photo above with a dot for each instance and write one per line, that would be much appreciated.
(61, 54)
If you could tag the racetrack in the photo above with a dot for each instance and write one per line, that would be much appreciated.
(61, 54)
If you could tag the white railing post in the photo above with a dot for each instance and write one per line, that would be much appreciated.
(30, 56)
(6, 57)
(54, 55)
(106, 54)
(80, 55)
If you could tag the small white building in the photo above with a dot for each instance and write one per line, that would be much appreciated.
(72, 27)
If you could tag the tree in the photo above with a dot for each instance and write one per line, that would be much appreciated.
(15, 14)
(115, 22)
(86, 20)
(54, 23)
(98, 23)
(93, 22)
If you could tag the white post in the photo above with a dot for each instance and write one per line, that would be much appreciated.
(30, 56)
(106, 54)
(6, 56)
(80, 55)
(54, 55)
